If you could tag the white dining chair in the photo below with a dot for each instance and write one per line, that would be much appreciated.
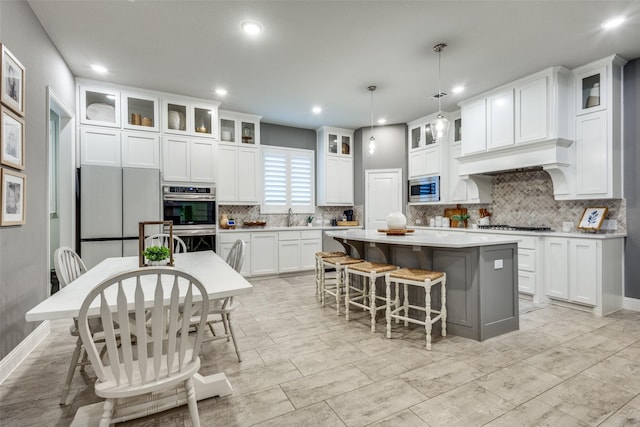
(162, 239)
(155, 351)
(220, 310)
(69, 267)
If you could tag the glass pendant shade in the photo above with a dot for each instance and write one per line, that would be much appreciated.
(372, 140)
(372, 146)
(440, 126)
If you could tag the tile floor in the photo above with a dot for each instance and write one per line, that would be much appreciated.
(305, 366)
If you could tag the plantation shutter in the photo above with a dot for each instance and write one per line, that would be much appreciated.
(288, 180)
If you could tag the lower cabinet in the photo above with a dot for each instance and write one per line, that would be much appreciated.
(296, 250)
(227, 240)
(264, 253)
(584, 271)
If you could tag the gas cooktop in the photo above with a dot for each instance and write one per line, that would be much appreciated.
(512, 227)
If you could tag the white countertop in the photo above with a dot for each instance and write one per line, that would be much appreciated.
(293, 228)
(574, 234)
(443, 239)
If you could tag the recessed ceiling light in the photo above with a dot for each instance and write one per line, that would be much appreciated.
(316, 110)
(382, 121)
(251, 27)
(458, 89)
(99, 68)
(613, 22)
(221, 91)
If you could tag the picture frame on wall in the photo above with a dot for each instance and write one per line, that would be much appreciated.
(13, 193)
(11, 139)
(592, 218)
(12, 82)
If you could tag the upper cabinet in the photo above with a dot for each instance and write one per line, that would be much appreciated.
(427, 154)
(189, 117)
(140, 112)
(598, 124)
(99, 106)
(239, 129)
(335, 166)
(529, 110)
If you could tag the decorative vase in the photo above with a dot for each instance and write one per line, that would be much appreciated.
(396, 221)
(224, 221)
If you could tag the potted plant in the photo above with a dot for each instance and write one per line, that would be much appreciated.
(309, 221)
(462, 219)
(157, 255)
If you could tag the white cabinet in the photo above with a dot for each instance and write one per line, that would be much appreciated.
(239, 128)
(598, 124)
(264, 253)
(530, 267)
(297, 249)
(189, 159)
(427, 155)
(238, 175)
(335, 167)
(585, 271)
(100, 146)
(500, 119)
(190, 117)
(532, 109)
(99, 105)
(140, 150)
(226, 241)
(140, 111)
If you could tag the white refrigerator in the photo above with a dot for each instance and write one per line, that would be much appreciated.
(112, 203)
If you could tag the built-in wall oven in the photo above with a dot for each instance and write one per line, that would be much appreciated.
(193, 212)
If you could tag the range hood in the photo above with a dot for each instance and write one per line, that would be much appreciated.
(555, 156)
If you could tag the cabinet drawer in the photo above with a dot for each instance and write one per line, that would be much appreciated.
(527, 242)
(288, 235)
(526, 259)
(526, 282)
(232, 237)
(311, 234)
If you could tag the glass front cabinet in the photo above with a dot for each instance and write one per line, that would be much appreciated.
(239, 128)
(184, 117)
(140, 112)
(591, 90)
(99, 106)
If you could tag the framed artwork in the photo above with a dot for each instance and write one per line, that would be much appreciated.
(13, 195)
(592, 218)
(11, 139)
(12, 82)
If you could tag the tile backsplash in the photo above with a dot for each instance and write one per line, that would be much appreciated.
(526, 199)
(322, 213)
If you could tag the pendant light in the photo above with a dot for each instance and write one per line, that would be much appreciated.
(439, 127)
(372, 139)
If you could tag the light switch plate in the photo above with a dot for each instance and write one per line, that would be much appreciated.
(498, 264)
(609, 224)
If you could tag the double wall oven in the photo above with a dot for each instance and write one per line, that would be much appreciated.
(193, 212)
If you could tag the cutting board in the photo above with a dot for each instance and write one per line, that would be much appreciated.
(449, 212)
(396, 232)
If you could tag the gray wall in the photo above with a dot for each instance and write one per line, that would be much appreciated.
(391, 153)
(631, 164)
(285, 136)
(24, 279)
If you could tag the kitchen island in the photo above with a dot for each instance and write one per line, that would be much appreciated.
(482, 273)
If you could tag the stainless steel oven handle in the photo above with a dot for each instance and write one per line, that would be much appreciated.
(185, 198)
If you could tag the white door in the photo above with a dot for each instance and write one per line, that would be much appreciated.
(383, 195)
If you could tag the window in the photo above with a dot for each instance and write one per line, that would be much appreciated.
(288, 180)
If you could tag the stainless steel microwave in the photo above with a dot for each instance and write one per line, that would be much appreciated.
(424, 189)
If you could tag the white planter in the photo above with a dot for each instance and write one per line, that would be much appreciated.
(158, 263)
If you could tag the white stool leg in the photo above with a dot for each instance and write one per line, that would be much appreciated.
(339, 282)
(406, 304)
(322, 282)
(443, 306)
(427, 306)
(387, 280)
(396, 303)
(372, 300)
(347, 284)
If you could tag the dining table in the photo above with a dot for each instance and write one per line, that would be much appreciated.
(217, 277)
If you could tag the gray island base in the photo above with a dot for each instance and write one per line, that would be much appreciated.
(482, 274)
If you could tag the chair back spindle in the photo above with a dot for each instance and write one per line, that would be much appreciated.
(68, 265)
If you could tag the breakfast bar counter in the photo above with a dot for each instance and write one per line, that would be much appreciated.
(482, 273)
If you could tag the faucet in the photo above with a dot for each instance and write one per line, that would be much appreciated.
(289, 216)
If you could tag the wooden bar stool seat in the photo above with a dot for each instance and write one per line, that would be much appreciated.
(319, 257)
(421, 278)
(365, 297)
(334, 286)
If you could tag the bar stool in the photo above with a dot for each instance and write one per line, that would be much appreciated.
(426, 280)
(335, 287)
(369, 271)
(320, 268)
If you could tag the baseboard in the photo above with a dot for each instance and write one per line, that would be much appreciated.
(631, 303)
(12, 360)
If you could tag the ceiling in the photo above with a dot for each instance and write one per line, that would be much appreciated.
(326, 53)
